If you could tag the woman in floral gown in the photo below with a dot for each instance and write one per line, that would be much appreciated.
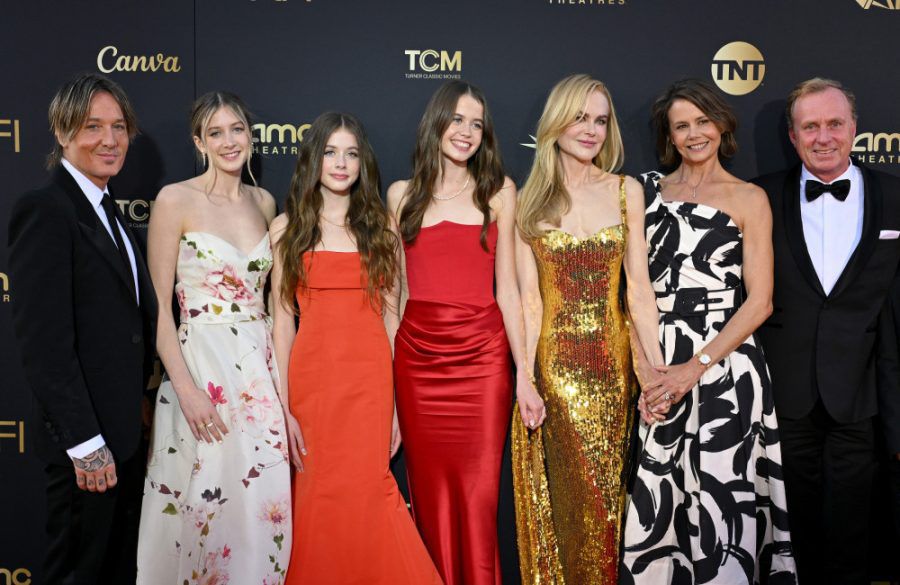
(216, 503)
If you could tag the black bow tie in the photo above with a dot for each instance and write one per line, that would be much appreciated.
(839, 189)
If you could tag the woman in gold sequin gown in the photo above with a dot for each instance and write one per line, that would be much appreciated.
(579, 226)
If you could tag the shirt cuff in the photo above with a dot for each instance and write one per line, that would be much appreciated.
(86, 448)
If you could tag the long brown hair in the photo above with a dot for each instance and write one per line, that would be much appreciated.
(366, 219)
(485, 165)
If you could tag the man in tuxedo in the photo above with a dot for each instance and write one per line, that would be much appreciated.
(84, 318)
(831, 341)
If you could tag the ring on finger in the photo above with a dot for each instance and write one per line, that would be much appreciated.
(209, 424)
(668, 397)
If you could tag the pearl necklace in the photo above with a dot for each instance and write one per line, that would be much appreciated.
(455, 195)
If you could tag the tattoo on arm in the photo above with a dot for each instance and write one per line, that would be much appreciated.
(95, 461)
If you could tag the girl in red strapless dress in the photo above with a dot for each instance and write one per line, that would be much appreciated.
(452, 366)
(336, 255)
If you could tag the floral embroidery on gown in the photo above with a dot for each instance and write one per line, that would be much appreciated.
(215, 514)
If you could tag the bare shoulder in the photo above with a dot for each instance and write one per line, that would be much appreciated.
(265, 201)
(177, 198)
(634, 194)
(750, 198)
(505, 198)
(396, 195)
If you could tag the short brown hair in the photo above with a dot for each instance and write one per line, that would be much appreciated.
(72, 103)
(708, 101)
(816, 85)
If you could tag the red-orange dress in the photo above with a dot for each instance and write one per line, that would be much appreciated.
(454, 398)
(351, 525)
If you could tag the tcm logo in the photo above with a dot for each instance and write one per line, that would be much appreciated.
(278, 138)
(15, 576)
(10, 129)
(877, 148)
(738, 68)
(136, 211)
(889, 4)
(15, 430)
(109, 60)
(4, 287)
(432, 64)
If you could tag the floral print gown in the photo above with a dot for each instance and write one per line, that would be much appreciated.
(215, 514)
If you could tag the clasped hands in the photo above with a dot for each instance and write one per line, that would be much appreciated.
(531, 405)
(663, 386)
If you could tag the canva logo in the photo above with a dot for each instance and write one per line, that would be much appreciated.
(877, 148)
(109, 60)
(136, 211)
(433, 64)
(4, 287)
(15, 430)
(10, 129)
(278, 138)
(738, 68)
(889, 4)
(15, 576)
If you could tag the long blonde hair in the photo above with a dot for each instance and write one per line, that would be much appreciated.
(544, 196)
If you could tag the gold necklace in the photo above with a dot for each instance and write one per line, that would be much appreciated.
(340, 225)
(692, 187)
(455, 195)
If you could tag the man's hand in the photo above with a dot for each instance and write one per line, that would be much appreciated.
(96, 472)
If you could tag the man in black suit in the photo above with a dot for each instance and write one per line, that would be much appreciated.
(84, 320)
(831, 342)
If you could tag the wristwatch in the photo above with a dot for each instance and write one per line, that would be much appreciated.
(704, 359)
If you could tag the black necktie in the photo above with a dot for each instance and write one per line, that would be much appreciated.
(108, 207)
(839, 189)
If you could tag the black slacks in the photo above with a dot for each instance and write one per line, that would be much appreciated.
(828, 473)
(92, 537)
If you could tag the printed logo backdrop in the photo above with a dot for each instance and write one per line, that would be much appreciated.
(290, 60)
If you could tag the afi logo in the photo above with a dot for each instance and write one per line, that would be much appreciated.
(738, 68)
(16, 433)
(10, 129)
(15, 577)
(430, 60)
(4, 286)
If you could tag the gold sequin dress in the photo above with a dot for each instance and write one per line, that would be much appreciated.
(569, 475)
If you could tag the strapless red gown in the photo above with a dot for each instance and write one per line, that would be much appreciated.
(453, 387)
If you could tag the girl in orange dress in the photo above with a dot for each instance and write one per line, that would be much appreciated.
(335, 267)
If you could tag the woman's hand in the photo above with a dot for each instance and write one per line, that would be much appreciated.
(531, 405)
(201, 415)
(296, 444)
(650, 379)
(677, 381)
(396, 438)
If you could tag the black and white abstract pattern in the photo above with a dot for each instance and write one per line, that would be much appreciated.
(708, 503)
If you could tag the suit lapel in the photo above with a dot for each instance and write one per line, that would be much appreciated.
(872, 204)
(794, 228)
(93, 230)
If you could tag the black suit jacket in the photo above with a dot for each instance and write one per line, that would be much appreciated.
(85, 343)
(842, 346)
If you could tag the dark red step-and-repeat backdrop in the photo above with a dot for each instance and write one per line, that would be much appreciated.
(292, 59)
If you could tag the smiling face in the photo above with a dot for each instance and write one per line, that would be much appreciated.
(693, 133)
(463, 136)
(583, 138)
(822, 131)
(226, 141)
(340, 162)
(98, 148)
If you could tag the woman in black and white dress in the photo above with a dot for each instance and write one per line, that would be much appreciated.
(708, 503)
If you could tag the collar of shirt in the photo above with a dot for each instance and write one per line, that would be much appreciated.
(93, 193)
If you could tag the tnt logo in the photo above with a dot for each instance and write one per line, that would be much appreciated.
(4, 287)
(738, 68)
(15, 430)
(15, 576)
(10, 129)
(433, 64)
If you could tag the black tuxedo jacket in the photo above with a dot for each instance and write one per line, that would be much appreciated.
(85, 343)
(842, 346)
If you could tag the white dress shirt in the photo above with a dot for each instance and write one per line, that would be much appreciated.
(832, 229)
(95, 196)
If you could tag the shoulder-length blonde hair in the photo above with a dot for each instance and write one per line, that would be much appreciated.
(544, 196)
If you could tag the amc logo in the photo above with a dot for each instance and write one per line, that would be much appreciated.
(4, 287)
(136, 211)
(15, 576)
(10, 129)
(738, 68)
(277, 138)
(875, 148)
